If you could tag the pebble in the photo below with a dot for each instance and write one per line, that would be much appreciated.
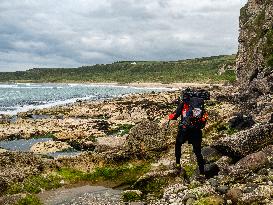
(222, 189)
(229, 202)
(190, 201)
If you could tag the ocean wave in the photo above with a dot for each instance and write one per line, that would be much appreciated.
(45, 98)
(16, 109)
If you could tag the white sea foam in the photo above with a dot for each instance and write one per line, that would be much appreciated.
(24, 101)
(26, 108)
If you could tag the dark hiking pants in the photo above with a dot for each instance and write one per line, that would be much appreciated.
(194, 137)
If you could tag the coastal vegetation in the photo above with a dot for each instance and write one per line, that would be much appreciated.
(29, 200)
(113, 175)
(205, 69)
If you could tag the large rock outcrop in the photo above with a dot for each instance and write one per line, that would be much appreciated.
(246, 142)
(255, 55)
(15, 166)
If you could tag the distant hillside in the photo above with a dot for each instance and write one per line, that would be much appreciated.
(194, 70)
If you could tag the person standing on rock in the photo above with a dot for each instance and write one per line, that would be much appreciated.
(193, 119)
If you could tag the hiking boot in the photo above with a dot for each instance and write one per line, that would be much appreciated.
(199, 176)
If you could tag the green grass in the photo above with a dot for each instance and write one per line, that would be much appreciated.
(34, 184)
(219, 127)
(211, 200)
(130, 197)
(152, 186)
(124, 174)
(194, 70)
(119, 175)
(190, 169)
(121, 129)
(29, 200)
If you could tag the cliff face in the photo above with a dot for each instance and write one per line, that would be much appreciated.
(255, 55)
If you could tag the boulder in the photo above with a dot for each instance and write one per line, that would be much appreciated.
(245, 142)
(211, 170)
(240, 121)
(253, 162)
(249, 163)
(146, 138)
(15, 166)
(223, 163)
(103, 144)
(261, 194)
(50, 147)
(210, 154)
(254, 59)
(234, 194)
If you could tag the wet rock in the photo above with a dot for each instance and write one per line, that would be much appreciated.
(213, 182)
(249, 163)
(3, 186)
(189, 196)
(50, 147)
(102, 125)
(211, 170)
(241, 122)
(210, 154)
(134, 195)
(145, 139)
(190, 201)
(160, 178)
(261, 194)
(245, 142)
(222, 189)
(15, 166)
(234, 194)
(263, 171)
(4, 119)
(103, 144)
(85, 144)
(223, 163)
(250, 187)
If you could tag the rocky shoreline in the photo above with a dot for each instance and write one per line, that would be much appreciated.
(125, 130)
(124, 142)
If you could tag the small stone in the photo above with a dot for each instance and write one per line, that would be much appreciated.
(229, 201)
(222, 189)
(190, 201)
(234, 194)
(263, 171)
(211, 170)
(249, 189)
(213, 182)
(188, 196)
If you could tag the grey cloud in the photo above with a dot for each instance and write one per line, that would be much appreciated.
(68, 33)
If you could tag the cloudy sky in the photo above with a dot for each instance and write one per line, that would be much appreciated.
(72, 33)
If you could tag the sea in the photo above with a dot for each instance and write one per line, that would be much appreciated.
(21, 97)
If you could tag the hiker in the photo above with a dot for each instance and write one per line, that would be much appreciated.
(193, 119)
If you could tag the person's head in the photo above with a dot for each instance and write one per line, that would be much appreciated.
(185, 95)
